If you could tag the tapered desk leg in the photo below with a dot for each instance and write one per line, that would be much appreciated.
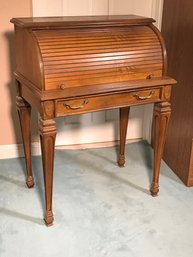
(161, 117)
(124, 116)
(47, 131)
(24, 111)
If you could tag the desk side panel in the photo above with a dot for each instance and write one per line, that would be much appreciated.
(28, 58)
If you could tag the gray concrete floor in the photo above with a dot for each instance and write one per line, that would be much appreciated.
(100, 210)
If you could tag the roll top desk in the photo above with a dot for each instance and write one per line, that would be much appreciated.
(74, 65)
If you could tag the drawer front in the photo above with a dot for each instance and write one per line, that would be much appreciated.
(97, 103)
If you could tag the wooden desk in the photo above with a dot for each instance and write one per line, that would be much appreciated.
(74, 65)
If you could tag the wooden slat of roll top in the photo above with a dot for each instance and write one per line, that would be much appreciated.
(44, 34)
(101, 80)
(101, 69)
(116, 71)
(109, 73)
(79, 52)
(94, 37)
(62, 66)
(95, 40)
(63, 45)
(105, 39)
(55, 35)
(82, 58)
(97, 46)
(105, 42)
(99, 57)
(77, 63)
(130, 72)
(117, 75)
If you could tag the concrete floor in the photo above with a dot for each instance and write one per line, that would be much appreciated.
(100, 209)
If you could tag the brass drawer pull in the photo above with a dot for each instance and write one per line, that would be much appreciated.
(76, 107)
(138, 97)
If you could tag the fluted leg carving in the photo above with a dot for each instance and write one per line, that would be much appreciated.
(47, 131)
(161, 117)
(124, 116)
(24, 112)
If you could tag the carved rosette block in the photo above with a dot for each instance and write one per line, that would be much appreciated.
(124, 116)
(47, 130)
(24, 112)
(161, 117)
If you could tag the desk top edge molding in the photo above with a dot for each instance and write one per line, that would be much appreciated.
(86, 21)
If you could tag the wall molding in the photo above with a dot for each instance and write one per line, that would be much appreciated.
(156, 13)
(16, 150)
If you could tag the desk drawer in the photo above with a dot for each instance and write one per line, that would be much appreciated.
(66, 107)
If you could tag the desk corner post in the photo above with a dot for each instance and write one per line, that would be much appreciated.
(47, 130)
(161, 117)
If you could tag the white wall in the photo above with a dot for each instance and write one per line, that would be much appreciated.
(102, 126)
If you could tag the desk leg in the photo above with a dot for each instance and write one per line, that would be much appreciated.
(24, 111)
(161, 117)
(124, 116)
(47, 131)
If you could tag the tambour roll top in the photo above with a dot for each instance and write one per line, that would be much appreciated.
(87, 51)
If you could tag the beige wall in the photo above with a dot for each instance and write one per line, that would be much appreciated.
(9, 129)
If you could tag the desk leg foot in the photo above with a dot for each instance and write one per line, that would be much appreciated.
(124, 116)
(154, 189)
(24, 112)
(161, 117)
(121, 161)
(30, 182)
(47, 131)
(49, 218)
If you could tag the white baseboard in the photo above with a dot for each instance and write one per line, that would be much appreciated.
(95, 145)
(16, 150)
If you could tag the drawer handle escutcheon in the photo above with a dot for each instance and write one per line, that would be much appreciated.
(76, 107)
(62, 86)
(138, 97)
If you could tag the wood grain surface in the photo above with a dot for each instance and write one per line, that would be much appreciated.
(177, 31)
